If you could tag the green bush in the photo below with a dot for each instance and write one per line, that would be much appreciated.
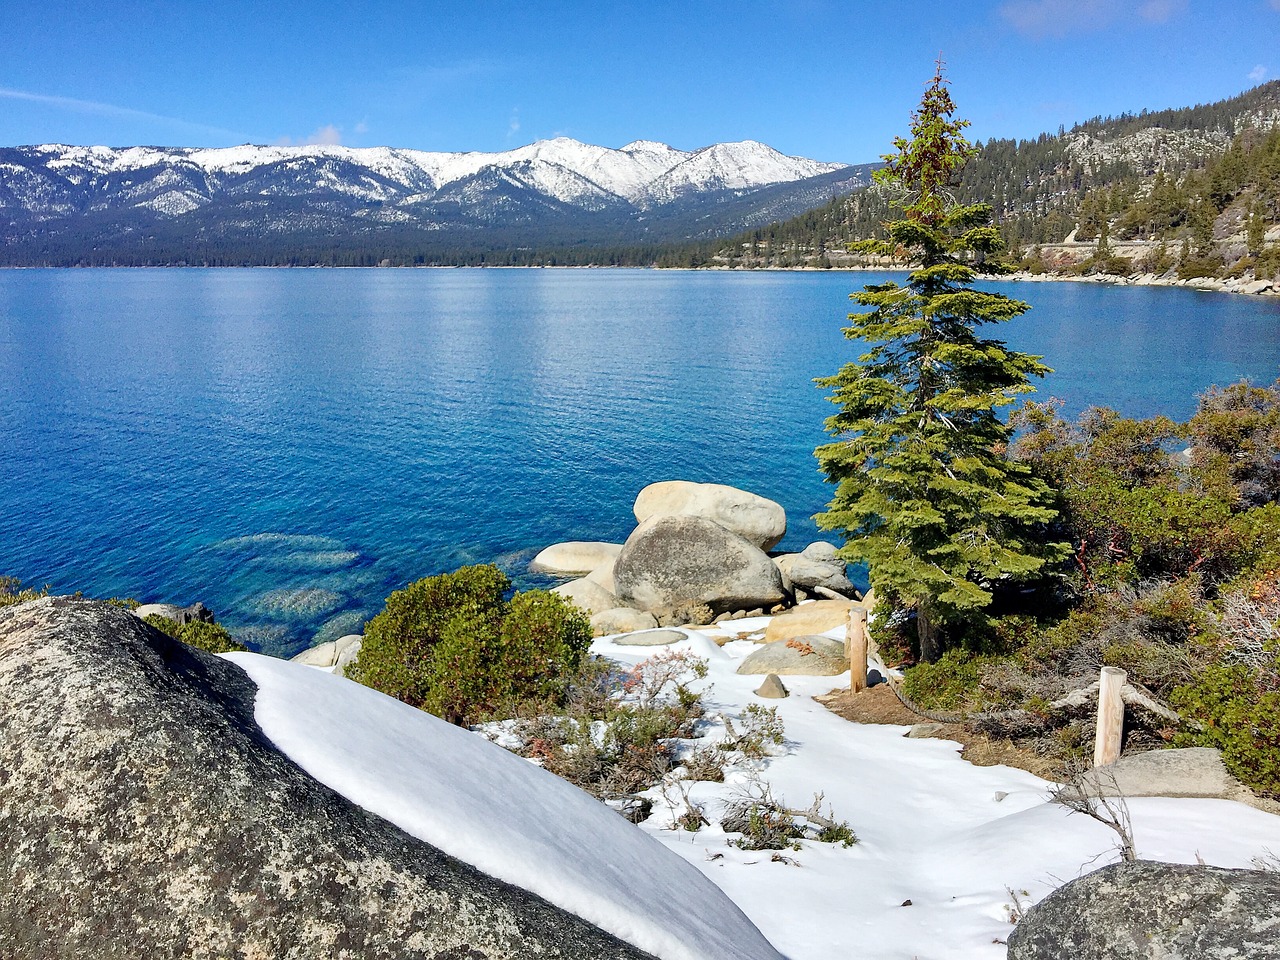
(951, 682)
(452, 645)
(11, 592)
(1239, 716)
(210, 637)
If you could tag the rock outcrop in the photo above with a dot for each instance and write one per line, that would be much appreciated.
(588, 595)
(1155, 911)
(808, 618)
(817, 566)
(670, 561)
(754, 518)
(575, 558)
(621, 620)
(798, 657)
(335, 653)
(1184, 772)
(145, 814)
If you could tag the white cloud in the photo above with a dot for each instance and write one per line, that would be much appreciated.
(1258, 74)
(96, 108)
(362, 127)
(1055, 19)
(1159, 11)
(513, 125)
(328, 135)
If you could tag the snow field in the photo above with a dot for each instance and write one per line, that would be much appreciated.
(950, 837)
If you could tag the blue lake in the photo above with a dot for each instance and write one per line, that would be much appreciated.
(291, 445)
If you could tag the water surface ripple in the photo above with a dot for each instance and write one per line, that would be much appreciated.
(291, 445)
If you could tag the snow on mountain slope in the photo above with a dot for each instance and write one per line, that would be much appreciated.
(734, 166)
(642, 172)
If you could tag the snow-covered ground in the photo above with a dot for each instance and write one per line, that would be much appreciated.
(944, 847)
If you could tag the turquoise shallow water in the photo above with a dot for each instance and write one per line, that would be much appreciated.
(291, 445)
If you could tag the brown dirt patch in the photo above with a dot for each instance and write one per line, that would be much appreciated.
(879, 705)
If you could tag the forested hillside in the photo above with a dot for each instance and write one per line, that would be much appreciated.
(1191, 192)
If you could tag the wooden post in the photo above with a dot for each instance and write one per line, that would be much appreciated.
(855, 643)
(1110, 716)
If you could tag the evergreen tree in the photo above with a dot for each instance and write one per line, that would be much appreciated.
(925, 494)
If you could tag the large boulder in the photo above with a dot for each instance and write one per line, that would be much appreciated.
(588, 596)
(798, 657)
(333, 653)
(818, 616)
(1184, 772)
(146, 813)
(575, 558)
(760, 521)
(673, 561)
(809, 574)
(1155, 911)
(621, 620)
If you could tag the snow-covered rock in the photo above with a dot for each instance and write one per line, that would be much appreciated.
(490, 809)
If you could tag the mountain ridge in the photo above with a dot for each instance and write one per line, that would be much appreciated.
(85, 199)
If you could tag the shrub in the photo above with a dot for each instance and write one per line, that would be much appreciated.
(950, 683)
(11, 592)
(452, 645)
(210, 637)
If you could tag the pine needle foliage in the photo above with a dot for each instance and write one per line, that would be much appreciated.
(924, 492)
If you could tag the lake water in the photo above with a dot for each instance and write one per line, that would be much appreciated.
(291, 445)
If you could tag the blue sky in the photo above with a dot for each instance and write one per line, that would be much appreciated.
(830, 80)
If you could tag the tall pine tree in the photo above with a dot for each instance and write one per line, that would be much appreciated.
(924, 492)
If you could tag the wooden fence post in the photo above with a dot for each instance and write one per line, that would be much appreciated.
(855, 635)
(1110, 716)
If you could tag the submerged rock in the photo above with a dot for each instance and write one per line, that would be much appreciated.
(145, 814)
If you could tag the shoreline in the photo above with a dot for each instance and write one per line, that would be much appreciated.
(1247, 287)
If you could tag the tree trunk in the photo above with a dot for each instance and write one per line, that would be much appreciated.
(929, 634)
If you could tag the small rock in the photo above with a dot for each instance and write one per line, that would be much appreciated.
(923, 731)
(1000, 795)
(650, 638)
(772, 688)
(875, 678)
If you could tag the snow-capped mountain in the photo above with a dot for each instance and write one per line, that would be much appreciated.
(552, 191)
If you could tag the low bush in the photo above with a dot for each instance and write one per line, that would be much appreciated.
(455, 646)
(210, 637)
(12, 592)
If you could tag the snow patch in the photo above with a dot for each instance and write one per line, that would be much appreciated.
(493, 810)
